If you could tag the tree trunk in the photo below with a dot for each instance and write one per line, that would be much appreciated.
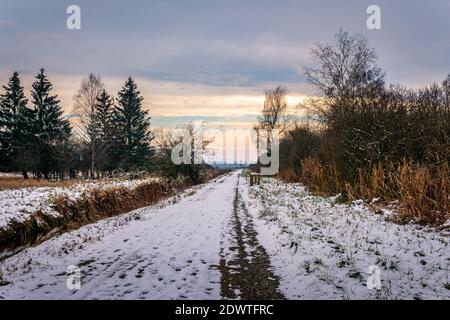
(25, 174)
(92, 164)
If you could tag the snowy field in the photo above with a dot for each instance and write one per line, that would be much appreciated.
(323, 250)
(213, 240)
(19, 204)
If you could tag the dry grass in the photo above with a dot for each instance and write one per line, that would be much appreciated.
(423, 193)
(288, 175)
(94, 205)
(9, 183)
(321, 179)
(100, 204)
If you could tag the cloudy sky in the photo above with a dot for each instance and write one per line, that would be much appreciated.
(212, 60)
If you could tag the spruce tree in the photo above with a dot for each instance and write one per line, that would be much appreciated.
(104, 130)
(14, 124)
(50, 129)
(133, 125)
(103, 117)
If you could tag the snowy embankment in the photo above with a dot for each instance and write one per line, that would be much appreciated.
(18, 205)
(225, 239)
(324, 250)
(160, 252)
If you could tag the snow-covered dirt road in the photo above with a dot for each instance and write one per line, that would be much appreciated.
(173, 251)
(225, 240)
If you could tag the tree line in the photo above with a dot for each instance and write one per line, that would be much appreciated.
(358, 121)
(108, 134)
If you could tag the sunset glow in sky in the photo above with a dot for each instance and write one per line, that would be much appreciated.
(212, 60)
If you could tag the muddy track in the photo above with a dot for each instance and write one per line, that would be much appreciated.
(244, 264)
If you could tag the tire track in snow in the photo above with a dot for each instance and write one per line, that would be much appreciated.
(244, 264)
(167, 253)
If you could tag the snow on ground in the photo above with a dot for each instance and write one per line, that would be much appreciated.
(10, 174)
(160, 252)
(19, 204)
(323, 250)
(317, 249)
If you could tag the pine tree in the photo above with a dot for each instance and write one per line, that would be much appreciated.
(14, 123)
(133, 125)
(104, 130)
(103, 117)
(49, 127)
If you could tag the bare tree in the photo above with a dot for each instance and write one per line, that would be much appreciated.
(274, 119)
(85, 107)
(199, 143)
(275, 106)
(446, 88)
(346, 69)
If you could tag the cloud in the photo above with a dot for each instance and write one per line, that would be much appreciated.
(212, 60)
(183, 51)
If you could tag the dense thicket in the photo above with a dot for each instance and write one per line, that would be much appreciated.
(366, 139)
